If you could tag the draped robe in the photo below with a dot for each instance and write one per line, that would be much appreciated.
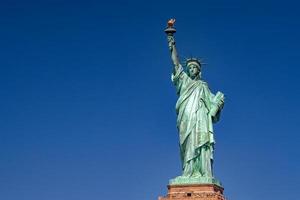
(194, 122)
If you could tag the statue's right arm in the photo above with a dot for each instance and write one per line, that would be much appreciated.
(174, 55)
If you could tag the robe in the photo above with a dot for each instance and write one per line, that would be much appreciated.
(196, 110)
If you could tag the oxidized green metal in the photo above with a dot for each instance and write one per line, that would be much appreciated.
(197, 109)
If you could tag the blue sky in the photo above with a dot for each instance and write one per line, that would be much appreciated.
(87, 104)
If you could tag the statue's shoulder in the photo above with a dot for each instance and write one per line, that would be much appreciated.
(203, 82)
(204, 85)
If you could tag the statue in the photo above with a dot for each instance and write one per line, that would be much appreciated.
(197, 109)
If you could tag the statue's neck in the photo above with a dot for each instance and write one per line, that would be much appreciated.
(196, 78)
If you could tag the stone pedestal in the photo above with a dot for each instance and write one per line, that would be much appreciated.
(194, 192)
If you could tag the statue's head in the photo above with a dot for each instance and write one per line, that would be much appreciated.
(193, 67)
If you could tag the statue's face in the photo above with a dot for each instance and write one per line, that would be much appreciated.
(193, 70)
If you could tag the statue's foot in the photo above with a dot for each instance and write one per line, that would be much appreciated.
(196, 174)
(194, 179)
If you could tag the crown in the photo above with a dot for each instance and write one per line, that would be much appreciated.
(194, 60)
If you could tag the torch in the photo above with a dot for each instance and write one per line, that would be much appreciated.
(170, 30)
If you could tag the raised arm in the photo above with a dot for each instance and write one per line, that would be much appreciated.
(171, 42)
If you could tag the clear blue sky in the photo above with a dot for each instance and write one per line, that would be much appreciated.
(87, 104)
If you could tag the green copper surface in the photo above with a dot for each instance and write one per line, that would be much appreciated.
(194, 180)
(197, 109)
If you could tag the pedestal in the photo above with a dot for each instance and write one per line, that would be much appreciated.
(194, 192)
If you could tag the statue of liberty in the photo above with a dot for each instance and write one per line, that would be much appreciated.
(197, 109)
